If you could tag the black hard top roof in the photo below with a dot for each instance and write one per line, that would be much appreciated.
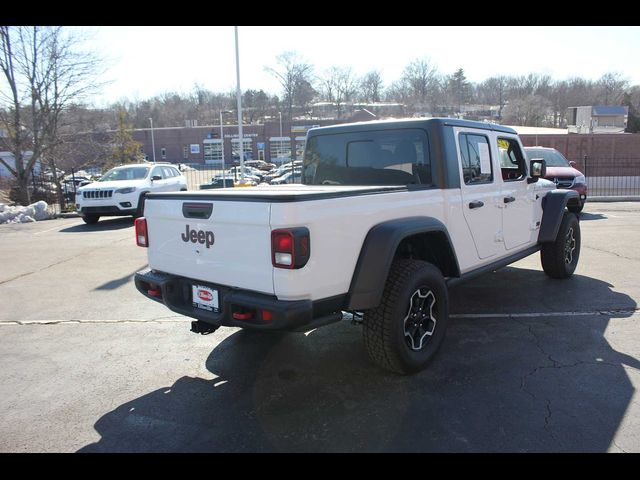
(407, 123)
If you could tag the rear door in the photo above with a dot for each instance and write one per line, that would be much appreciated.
(480, 190)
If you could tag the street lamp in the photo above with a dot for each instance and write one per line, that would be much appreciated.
(153, 144)
(280, 153)
(293, 176)
(224, 173)
(239, 100)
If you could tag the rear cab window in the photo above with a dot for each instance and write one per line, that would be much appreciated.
(376, 157)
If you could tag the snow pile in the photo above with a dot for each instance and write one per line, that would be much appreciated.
(20, 214)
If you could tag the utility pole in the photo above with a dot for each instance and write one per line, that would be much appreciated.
(153, 144)
(224, 173)
(239, 100)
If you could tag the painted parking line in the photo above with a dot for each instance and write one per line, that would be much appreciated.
(177, 319)
(627, 312)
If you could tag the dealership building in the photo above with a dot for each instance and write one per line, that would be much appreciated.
(203, 145)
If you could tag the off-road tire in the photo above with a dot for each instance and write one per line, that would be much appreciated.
(384, 330)
(90, 219)
(560, 258)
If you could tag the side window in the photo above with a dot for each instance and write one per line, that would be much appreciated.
(512, 160)
(168, 172)
(157, 171)
(176, 173)
(476, 158)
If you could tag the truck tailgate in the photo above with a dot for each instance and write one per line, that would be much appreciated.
(234, 248)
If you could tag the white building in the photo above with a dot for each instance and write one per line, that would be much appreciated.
(597, 119)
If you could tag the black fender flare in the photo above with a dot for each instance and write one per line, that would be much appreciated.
(553, 207)
(377, 254)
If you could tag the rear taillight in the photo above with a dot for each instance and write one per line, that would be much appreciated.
(290, 247)
(142, 235)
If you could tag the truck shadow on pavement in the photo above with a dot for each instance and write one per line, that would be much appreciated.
(119, 282)
(103, 225)
(592, 216)
(499, 384)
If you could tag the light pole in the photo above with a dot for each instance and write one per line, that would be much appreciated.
(280, 114)
(153, 143)
(224, 172)
(239, 100)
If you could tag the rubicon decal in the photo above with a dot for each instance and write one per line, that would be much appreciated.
(204, 237)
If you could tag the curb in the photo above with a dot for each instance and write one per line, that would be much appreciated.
(68, 215)
(627, 198)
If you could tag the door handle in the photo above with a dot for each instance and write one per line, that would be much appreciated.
(509, 199)
(476, 204)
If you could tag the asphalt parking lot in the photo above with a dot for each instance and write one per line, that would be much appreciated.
(529, 364)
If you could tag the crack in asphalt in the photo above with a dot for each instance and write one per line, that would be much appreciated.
(523, 381)
(514, 316)
(619, 447)
(553, 363)
(43, 268)
(547, 420)
(610, 252)
(57, 263)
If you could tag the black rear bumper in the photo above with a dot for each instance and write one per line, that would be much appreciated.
(297, 315)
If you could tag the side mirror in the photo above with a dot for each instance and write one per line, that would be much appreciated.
(156, 177)
(573, 164)
(538, 169)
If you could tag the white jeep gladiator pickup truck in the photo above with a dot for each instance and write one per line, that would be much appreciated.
(388, 215)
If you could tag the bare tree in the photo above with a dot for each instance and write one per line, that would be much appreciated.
(531, 110)
(421, 77)
(611, 88)
(370, 87)
(493, 91)
(45, 73)
(293, 74)
(398, 91)
(558, 99)
(339, 87)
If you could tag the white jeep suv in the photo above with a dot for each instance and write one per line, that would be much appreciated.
(121, 191)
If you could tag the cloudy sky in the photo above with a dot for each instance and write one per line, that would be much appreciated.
(146, 61)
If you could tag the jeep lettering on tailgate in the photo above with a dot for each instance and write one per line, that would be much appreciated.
(204, 237)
